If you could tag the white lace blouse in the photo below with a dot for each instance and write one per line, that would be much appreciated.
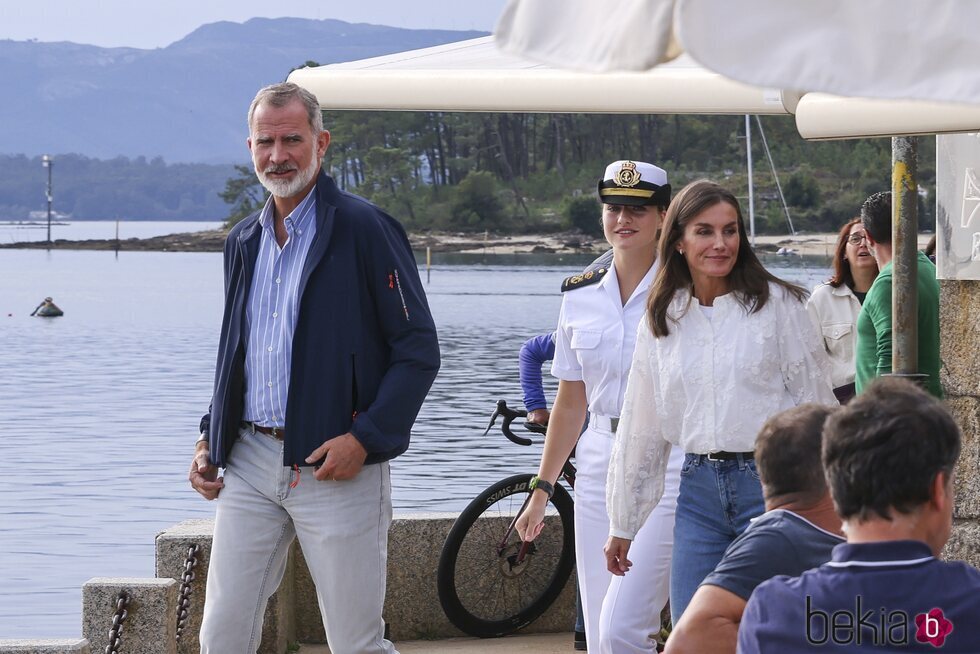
(708, 386)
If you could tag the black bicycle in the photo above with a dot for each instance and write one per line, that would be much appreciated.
(490, 582)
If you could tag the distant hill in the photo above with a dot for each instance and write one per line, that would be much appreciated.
(185, 102)
(117, 188)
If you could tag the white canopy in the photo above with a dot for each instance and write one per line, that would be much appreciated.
(898, 49)
(892, 49)
(474, 75)
(823, 116)
(918, 59)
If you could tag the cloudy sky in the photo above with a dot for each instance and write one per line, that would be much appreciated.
(155, 23)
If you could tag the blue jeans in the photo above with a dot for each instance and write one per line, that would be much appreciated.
(717, 499)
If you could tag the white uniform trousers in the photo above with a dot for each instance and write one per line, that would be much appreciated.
(342, 527)
(622, 614)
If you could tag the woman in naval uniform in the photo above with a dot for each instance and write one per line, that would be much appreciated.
(597, 329)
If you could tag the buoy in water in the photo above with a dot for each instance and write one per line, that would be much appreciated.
(47, 309)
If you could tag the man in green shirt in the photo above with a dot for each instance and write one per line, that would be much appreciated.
(874, 325)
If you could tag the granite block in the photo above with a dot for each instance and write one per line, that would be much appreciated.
(46, 646)
(151, 614)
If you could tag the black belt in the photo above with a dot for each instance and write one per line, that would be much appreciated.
(728, 456)
(279, 433)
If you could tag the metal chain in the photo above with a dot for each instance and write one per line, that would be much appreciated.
(184, 594)
(118, 618)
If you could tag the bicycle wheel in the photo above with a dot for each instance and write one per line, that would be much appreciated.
(483, 588)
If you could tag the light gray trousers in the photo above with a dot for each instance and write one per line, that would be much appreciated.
(342, 527)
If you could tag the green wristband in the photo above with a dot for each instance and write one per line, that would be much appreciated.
(541, 484)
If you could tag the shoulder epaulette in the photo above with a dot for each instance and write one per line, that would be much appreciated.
(583, 279)
(592, 273)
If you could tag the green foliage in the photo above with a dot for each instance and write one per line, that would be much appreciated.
(584, 214)
(309, 63)
(475, 171)
(477, 204)
(538, 160)
(111, 189)
(802, 190)
(244, 193)
(389, 183)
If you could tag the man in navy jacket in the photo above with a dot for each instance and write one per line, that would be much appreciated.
(327, 351)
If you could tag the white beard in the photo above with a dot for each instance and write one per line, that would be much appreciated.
(282, 188)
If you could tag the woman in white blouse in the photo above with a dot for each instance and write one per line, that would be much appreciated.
(835, 305)
(725, 345)
(594, 342)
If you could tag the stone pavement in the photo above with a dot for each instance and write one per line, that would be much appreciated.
(518, 644)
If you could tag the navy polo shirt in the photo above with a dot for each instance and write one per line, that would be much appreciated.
(779, 542)
(892, 596)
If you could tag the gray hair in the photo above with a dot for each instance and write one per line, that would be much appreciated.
(279, 95)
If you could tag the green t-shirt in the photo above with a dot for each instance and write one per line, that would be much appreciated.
(874, 328)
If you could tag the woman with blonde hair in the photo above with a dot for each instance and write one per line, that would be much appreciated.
(726, 344)
(597, 328)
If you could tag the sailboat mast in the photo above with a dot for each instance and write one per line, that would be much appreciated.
(748, 165)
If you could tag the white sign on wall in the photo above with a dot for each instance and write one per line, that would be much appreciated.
(958, 206)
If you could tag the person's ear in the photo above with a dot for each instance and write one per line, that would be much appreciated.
(322, 143)
(942, 491)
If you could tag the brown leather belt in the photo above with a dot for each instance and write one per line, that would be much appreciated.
(279, 433)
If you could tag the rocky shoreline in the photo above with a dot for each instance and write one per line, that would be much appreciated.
(213, 241)
(455, 242)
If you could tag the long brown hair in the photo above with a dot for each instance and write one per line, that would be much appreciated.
(842, 267)
(748, 278)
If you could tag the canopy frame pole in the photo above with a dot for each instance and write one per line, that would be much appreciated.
(905, 323)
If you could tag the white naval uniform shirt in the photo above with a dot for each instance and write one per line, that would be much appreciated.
(595, 339)
(708, 386)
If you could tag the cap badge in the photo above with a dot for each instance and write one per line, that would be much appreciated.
(627, 175)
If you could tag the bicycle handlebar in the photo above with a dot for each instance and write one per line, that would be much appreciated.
(508, 415)
(567, 469)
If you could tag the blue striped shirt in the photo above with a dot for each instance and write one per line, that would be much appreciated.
(270, 316)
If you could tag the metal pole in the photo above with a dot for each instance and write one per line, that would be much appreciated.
(748, 165)
(48, 163)
(772, 167)
(905, 323)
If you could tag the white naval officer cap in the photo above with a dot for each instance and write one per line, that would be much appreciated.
(634, 183)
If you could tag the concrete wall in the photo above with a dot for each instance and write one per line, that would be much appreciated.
(412, 609)
(960, 350)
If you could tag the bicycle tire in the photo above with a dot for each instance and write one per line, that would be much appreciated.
(481, 591)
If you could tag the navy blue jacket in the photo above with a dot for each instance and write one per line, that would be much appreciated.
(365, 350)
